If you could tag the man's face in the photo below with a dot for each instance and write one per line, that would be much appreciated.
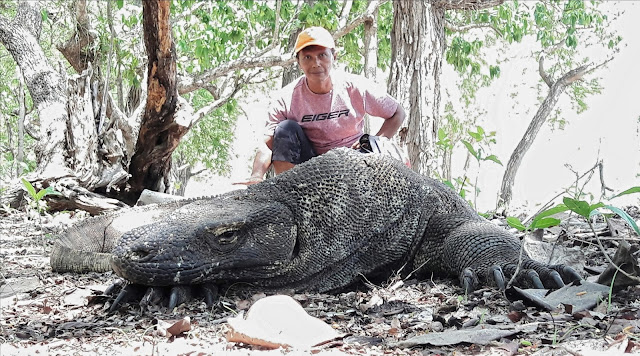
(316, 62)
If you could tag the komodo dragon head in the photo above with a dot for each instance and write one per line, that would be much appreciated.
(232, 237)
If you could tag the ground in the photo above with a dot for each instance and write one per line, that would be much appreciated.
(47, 313)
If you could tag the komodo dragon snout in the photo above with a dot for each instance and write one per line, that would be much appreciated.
(209, 241)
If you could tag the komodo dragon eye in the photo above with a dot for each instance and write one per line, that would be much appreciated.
(227, 237)
(222, 236)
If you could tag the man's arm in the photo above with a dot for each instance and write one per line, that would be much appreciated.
(261, 162)
(391, 125)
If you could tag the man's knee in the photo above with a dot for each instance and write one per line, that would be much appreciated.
(290, 143)
(286, 129)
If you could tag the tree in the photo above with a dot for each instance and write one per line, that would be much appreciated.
(563, 30)
(426, 32)
(418, 42)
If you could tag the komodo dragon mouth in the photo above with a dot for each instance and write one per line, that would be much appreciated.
(317, 227)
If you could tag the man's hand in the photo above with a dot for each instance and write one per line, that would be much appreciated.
(249, 181)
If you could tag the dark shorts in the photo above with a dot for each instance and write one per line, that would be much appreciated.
(291, 144)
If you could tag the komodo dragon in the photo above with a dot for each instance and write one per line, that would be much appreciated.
(316, 227)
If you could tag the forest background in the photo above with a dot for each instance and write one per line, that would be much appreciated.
(490, 87)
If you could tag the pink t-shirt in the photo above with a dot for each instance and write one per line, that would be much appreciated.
(334, 119)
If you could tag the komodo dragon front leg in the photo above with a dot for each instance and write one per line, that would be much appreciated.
(481, 253)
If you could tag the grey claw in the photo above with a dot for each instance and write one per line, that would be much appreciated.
(570, 274)
(469, 280)
(555, 276)
(210, 292)
(534, 277)
(127, 293)
(179, 295)
(498, 277)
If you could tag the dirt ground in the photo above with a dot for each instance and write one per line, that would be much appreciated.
(46, 313)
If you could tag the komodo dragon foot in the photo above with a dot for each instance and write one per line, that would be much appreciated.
(171, 297)
(531, 274)
(482, 253)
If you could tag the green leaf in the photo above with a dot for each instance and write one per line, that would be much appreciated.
(516, 223)
(594, 207)
(628, 191)
(120, 4)
(544, 223)
(470, 148)
(493, 158)
(622, 214)
(580, 207)
(30, 189)
(551, 211)
(44, 14)
(45, 192)
(449, 184)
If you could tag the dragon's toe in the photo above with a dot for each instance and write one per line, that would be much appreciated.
(469, 280)
(530, 274)
(498, 276)
(179, 295)
(534, 278)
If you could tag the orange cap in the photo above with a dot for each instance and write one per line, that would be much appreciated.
(314, 36)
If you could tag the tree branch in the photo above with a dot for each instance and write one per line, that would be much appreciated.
(365, 16)
(543, 74)
(454, 28)
(189, 84)
(344, 14)
(466, 4)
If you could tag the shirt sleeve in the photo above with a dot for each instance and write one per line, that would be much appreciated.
(276, 113)
(377, 102)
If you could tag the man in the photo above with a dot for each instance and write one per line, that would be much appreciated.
(320, 110)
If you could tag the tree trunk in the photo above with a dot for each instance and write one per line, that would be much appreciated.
(161, 130)
(370, 55)
(418, 43)
(46, 86)
(555, 90)
(74, 156)
(21, 116)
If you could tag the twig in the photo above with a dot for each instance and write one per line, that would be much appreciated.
(602, 249)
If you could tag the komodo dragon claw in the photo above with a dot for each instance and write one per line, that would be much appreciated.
(171, 297)
(534, 275)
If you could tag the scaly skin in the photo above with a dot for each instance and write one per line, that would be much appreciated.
(321, 225)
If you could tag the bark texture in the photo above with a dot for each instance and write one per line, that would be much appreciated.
(418, 43)
(161, 129)
(47, 87)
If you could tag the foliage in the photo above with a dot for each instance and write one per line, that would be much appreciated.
(210, 140)
(481, 138)
(476, 142)
(583, 208)
(9, 120)
(37, 203)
